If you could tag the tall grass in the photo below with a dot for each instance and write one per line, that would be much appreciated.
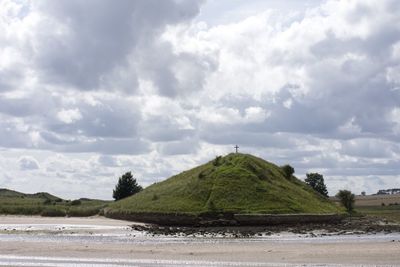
(16, 205)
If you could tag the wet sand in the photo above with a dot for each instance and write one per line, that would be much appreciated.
(97, 241)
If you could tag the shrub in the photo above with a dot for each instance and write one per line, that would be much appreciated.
(83, 212)
(201, 175)
(287, 170)
(53, 212)
(21, 210)
(217, 161)
(347, 199)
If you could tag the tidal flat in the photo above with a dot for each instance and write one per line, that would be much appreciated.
(98, 241)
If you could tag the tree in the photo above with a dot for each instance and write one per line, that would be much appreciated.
(347, 199)
(126, 186)
(316, 181)
(288, 170)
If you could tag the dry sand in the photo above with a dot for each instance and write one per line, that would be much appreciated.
(95, 220)
(85, 241)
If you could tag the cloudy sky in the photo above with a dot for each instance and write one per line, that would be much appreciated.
(92, 89)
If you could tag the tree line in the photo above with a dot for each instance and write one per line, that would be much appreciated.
(316, 182)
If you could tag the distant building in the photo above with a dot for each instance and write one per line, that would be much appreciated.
(392, 191)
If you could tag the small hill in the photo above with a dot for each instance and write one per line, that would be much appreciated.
(41, 195)
(44, 195)
(236, 183)
(45, 204)
(10, 193)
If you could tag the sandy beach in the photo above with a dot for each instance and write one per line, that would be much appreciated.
(97, 241)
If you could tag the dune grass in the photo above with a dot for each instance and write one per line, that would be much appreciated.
(237, 183)
(44, 204)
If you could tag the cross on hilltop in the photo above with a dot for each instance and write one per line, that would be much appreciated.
(236, 148)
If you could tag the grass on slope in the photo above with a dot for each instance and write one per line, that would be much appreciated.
(237, 183)
(45, 204)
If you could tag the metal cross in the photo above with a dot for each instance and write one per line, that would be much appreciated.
(236, 147)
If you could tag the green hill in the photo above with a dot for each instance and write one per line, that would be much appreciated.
(236, 183)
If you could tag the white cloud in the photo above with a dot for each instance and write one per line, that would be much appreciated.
(69, 115)
(255, 115)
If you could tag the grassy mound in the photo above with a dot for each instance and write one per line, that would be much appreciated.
(237, 183)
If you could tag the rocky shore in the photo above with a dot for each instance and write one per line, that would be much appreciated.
(348, 226)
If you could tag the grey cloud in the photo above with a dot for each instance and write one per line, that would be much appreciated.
(9, 78)
(112, 146)
(231, 135)
(112, 118)
(100, 36)
(109, 119)
(356, 88)
(371, 148)
(107, 160)
(184, 147)
(163, 129)
(12, 136)
(55, 139)
(175, 74)
(28, 163)
(35, 104)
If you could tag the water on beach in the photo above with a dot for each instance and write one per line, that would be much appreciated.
(118, 235)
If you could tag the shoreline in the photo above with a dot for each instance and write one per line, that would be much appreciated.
(224, 218)
(113, 242)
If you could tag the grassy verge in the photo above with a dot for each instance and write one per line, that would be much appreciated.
(390, 213)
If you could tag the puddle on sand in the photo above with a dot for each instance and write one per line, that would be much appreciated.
(10, 260)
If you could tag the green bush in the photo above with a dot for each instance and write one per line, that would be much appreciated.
(347, 199)
(287, 170)
(53, 212)
(217, 161)
(21, 210)
(83, 212)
